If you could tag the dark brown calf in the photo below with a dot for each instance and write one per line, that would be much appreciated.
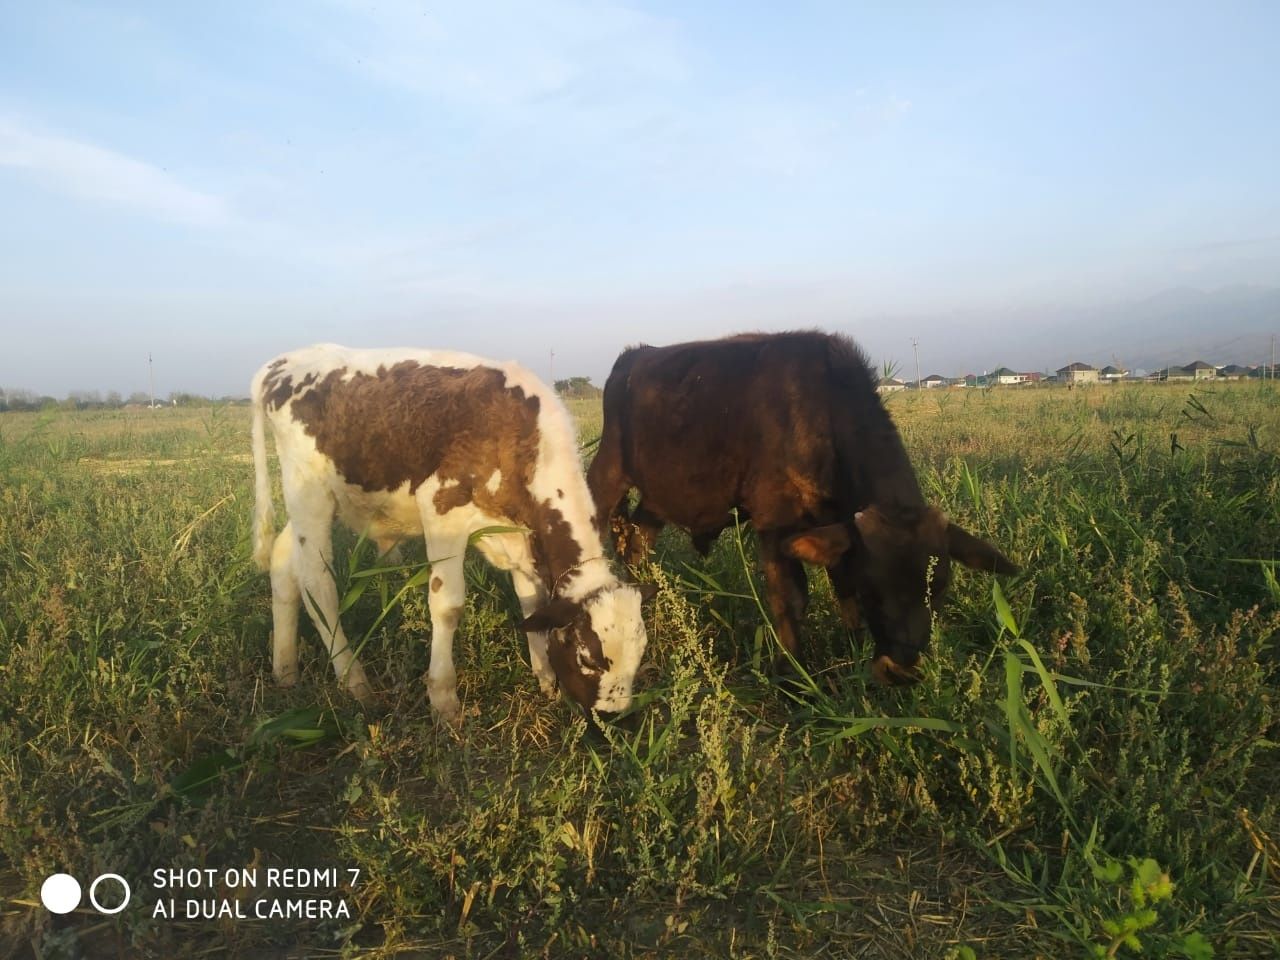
(788, 429)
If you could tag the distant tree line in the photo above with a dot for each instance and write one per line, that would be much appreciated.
(577, 387)
(26, 400)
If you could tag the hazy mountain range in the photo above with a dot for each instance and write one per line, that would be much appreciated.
(1225, 325)
(1177, 326)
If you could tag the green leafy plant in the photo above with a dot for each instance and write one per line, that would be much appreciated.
(1137, 906)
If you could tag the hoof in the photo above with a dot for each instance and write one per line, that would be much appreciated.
(286, 676)
(890, 674)
(359, 687)
(451, 716)
(446, 706)
(548, 686)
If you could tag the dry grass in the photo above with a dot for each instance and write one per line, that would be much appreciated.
(734, 815)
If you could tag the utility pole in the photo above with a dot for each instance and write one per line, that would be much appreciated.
(1273, 357)
(915, 348)
(151, 374)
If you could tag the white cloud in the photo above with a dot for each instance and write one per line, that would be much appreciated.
(503, 53)
(600, 86)
(102, 175)
(896, 106)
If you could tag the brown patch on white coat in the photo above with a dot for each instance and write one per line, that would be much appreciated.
(402, 443)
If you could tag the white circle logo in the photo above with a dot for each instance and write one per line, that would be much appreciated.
(60, 893)
(94, 887)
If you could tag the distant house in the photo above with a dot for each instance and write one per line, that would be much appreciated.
(1201, 370)
(933, 380)
(1006, 377)
(889, 385)
(1233, 371)
(1078, 373)
(1110, 374)
(1176, 373)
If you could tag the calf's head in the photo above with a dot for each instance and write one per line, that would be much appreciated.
(595, 643)
(899, 561)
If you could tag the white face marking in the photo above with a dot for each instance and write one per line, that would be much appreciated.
(494, 481)
(616, 620)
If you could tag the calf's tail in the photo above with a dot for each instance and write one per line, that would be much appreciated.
(264, 520)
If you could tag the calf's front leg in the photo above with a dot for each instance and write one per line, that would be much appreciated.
(533, 597)
(842, 584)
(788, 591)
(445, 600)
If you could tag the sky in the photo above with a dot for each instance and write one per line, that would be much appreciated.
(214, 184)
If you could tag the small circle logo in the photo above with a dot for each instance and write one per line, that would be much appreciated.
(60, 893)
(93, 889)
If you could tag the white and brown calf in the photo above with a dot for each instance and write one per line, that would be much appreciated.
(406, 443)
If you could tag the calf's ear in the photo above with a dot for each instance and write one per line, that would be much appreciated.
(976, 553)
(647, 591)
(556, 614)
(821, 546)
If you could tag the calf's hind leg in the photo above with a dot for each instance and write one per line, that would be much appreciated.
(286, 598)
(312, 551)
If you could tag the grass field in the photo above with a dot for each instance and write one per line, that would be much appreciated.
(1088, 768)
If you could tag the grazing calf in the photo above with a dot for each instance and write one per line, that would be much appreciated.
(405, 443)
(788, 429)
